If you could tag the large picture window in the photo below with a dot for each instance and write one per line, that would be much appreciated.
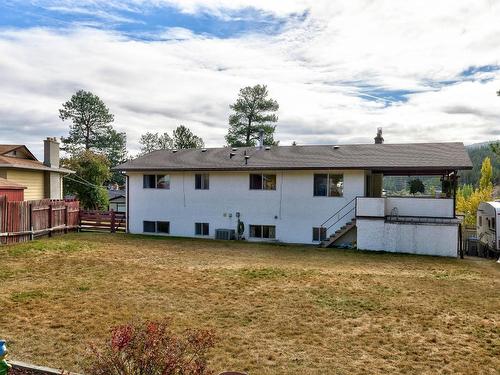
(328, 185)
(156, 181)
(201, 181)
(262, 231)
(260, 181)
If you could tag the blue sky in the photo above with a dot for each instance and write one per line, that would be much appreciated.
(146, 22)
(338, 69)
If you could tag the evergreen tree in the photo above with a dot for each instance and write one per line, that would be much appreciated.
(253, 111)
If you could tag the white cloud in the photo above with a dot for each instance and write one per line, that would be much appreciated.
(310, 68)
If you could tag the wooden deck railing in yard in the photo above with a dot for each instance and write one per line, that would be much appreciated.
(25, 220)
(102, 221)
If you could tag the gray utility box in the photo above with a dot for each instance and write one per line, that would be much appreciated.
(225, 234)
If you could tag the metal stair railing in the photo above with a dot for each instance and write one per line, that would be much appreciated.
(337, 214)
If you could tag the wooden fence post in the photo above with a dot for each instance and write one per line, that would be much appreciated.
(32, 234)
(50, 219)
(113, 221)
(66, 217)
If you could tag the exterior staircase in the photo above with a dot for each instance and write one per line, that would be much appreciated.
(338, 234)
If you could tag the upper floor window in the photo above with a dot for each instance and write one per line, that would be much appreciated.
(328, 185)
(156, 181)
(201, 181)
(262, 181)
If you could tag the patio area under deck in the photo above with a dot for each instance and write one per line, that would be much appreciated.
(411, 224)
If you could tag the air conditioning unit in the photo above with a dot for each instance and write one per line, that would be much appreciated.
(225, 234)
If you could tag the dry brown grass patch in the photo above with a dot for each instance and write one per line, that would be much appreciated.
(275, 309)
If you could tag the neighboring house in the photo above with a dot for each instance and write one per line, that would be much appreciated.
(19, 167)
(297, 194)
(117, 200)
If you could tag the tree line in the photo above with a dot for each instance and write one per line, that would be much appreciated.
(93, 146)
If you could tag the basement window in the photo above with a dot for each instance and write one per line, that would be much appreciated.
(156, 227)
(163, 227)
(319, 233)
(201, 181)
(201, 229)
(262, 181)
(328, 185)
(263, 231)
(149, 226)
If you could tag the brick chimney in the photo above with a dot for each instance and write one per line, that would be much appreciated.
(379, 139)
(51, 152)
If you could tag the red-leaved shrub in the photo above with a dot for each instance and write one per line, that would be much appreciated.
(152, 348)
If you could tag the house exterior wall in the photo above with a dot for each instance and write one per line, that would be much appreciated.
(427, 239)
(292, 208)
(33, 180)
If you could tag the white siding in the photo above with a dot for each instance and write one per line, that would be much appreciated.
(428, 239)
(292, 208)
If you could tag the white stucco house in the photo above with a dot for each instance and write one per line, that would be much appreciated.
(297, 194)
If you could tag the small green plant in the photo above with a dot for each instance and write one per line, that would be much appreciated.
(416, 186)
(152, 348)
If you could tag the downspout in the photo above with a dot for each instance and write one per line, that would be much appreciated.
(455, 180)
(127, 202)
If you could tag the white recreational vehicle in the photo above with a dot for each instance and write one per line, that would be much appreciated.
(488, 225)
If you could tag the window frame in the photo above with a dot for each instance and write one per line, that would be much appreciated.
(156, 224)
(328, 187)
(262, 183)
(201, 226)
(157, 178)
(149, 222)
(204, 183)
(262, 228)
(167, 223)
(318, 234)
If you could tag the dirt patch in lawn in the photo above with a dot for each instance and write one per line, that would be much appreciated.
(275, 309)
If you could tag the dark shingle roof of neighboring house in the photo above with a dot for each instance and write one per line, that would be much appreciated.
(31, 162)
(383, 157)
(19, 163)
(115, 194)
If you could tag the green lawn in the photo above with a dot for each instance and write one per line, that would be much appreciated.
(275, 309)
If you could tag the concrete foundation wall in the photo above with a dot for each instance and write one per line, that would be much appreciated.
(427, 239)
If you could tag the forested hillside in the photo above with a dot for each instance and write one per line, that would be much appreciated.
(477, 154)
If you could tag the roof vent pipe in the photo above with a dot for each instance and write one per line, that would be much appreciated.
(379, 139)
(246, 159)
(261, 138)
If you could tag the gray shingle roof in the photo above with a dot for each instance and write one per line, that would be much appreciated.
(412, 156)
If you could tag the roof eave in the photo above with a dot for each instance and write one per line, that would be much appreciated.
(256, 167)
(41, 168)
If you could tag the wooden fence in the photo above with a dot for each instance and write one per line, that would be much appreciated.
(103, 221)
(25, 220)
